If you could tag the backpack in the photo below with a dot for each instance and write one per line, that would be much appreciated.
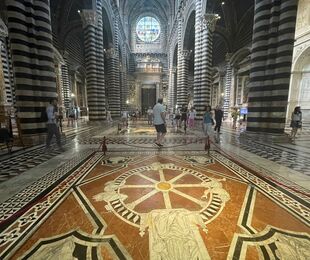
(44, 117)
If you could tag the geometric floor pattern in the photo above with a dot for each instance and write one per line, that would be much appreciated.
(289, 159)
(185, 205)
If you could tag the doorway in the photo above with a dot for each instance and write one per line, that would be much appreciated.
(148, 98)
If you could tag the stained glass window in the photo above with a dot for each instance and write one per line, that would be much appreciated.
(148, 29)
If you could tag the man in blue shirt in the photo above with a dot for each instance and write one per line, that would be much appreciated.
(159, 114)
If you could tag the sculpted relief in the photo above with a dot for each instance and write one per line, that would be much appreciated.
(303, 17)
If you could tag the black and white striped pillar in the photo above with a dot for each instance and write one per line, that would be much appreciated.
(6, 95)
(124, 84)
(183, 67)
(66, 88)
(171, 89)
(30, 36)
(100, 73)
(114, 95)
(271, 58)
(228, 85)
(198, 102)
(94, 66)
(203, 60)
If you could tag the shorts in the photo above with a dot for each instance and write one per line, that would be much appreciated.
(208, 130)
(177, 117)
(161, 128)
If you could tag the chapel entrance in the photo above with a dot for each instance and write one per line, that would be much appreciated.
(148, 97)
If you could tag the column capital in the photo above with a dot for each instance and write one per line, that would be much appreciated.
(3, 29)
(209, 21)
(89, 17)
(173, 69)
(186, 54)
(111, 53)
(228, 57)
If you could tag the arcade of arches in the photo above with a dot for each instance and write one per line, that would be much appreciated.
(110, 192)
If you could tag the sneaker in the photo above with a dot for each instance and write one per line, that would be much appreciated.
(157, 144)
(160, 145)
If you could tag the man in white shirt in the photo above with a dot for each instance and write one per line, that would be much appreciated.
(159, 114)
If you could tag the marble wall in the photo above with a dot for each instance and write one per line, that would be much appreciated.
(300, 78)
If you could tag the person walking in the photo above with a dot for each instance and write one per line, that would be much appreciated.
(296, 122)
(184, 112)
(160, 122)
(218, 122)
(52, 125)
(207, 124)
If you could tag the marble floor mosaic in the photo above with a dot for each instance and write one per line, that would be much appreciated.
(193, 206)
(140, 202)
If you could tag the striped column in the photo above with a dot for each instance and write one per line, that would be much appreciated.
(100, 73)
(30, 35)
(183, 66)
(203, 59)
(172, 90)
(66, 88)
(124, 85)
(94, 67)
(114, 95)
(271, 58)
(228, 78)
(5, 81)
(198, 101)
(113, 73)
(179, 58)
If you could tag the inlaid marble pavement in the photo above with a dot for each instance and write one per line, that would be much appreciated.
(160, 205)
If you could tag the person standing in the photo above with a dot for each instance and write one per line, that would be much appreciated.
(234, 116)
(191, 118)
(296, 122)
(150, 116)
(160, 122)
(109, 117)
(52, 124)
(207, 124)
(218, 122)
(184, 112)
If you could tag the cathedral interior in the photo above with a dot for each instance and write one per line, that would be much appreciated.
(106, 63)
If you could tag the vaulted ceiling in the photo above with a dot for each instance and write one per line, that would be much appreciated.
(234, 29)
(132, 8)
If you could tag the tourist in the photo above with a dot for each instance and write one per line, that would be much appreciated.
(177, 118)
(184, 112)
(109, 117)
(207, 124)
(150, 116)
(160, 122)
(71, 116)
(52, 124)
(234, 115)
(218, 122)
(296, 122)
(191, 117)
(125, 118)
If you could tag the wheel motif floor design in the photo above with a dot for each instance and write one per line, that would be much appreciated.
(161, 206)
